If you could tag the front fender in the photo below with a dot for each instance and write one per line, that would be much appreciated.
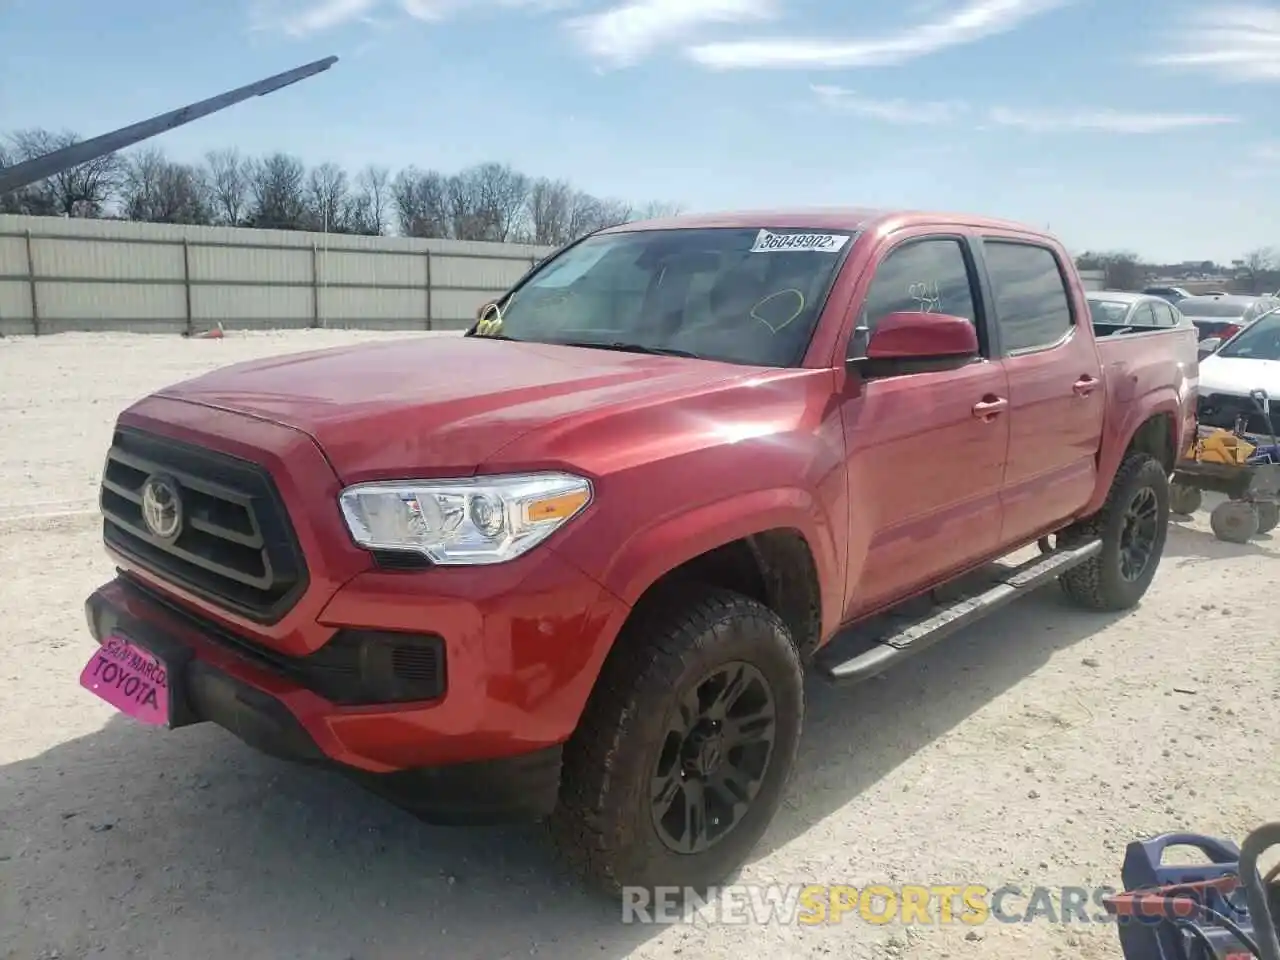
(652, 551)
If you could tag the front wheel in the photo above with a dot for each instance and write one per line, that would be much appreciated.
(1268, 515)
(1132, 526)
(682, 755)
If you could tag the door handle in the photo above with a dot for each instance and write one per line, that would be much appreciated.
(1085, 385)
(987, 410)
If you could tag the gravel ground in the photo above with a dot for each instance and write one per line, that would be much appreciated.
(1027, 750)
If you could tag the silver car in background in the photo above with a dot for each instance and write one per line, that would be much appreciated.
(1222, 317)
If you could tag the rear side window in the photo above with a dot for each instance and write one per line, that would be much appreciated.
(930, 276)
(1165, 317)
(1032, 305)
(1143, 316)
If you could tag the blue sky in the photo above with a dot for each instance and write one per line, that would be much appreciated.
(1118, 123)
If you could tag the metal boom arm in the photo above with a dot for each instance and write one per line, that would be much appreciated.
(33, 171)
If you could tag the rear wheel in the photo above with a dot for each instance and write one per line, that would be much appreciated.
(1132, 526)
(683, 753)
(1183, 499)
(1235, 521)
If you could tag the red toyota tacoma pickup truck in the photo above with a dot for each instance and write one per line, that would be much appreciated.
(570, 565)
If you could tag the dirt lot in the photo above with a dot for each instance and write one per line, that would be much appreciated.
(1027, 751)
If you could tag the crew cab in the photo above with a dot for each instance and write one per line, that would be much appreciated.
(572, 564)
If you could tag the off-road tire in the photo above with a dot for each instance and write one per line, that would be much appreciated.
(1235, 521)
(1098, 584)
(603, 824)
(1268, 515)
(1184, 500)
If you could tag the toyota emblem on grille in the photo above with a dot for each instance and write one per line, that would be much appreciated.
(162, 507)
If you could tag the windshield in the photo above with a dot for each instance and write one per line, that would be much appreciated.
(742, 295)
(1213, 308)
(1108, 311)
(1259, 341)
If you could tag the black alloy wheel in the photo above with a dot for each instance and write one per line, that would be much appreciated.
(714, 757)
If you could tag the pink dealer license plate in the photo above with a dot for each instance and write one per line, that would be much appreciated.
(129, 678)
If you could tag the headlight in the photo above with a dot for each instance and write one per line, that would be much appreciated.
(479, 520)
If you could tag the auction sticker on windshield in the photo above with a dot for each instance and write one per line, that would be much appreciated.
(767, 242)
(129, 678)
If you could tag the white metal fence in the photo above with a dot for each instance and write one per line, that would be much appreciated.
(61, 275)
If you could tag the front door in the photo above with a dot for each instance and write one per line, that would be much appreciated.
(1056, 397)
(925, 466)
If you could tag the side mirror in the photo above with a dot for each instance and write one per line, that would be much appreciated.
(909, 335)
(486, 308)
(1207, 346)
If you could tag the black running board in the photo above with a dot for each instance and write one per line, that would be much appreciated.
(906, 637)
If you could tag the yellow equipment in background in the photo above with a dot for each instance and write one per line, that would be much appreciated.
(1221, 446)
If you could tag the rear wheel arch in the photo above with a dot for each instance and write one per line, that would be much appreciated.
(1156, 436)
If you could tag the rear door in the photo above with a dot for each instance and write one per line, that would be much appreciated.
(1056, 396)
(924, 466)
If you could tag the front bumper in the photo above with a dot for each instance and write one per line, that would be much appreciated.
(215, 680)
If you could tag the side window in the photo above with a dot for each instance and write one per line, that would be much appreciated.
(1164, 315)
(1143, 316)
(1032, 305)
(921, 275)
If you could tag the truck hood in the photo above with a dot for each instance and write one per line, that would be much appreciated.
(1238, 375)
(439, 406)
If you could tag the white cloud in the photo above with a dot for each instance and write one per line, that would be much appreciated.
(973, 21)
(304, 17)
(441, 9)
(1265, 155)
(905, 112)
(1233, 42)
(1107, 121)
(626, 33)
(939, 112)
(300, 19)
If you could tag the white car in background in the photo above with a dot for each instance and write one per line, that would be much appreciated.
(1248, 361)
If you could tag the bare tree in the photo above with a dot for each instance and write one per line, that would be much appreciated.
(489, 201)
(367, 208)
(82, 191)
(501, 195)
(659, 210)
(588, 214)
(467, 219)
(155, 189)
(1123, 270)
(1256, 264)
(548, 211)
(277, 190)
(228, 177)
(26, 200)
(327, 198)
(421, 203)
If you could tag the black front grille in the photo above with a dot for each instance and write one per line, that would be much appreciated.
(1222, 409)
(236, 547)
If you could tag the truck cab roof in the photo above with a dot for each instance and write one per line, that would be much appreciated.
(853, 219)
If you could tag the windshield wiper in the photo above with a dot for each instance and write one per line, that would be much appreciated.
(628, 348)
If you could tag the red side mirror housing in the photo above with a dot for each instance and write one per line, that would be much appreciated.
(909, 335)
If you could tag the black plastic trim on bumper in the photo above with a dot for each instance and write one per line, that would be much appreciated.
(510, 790)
